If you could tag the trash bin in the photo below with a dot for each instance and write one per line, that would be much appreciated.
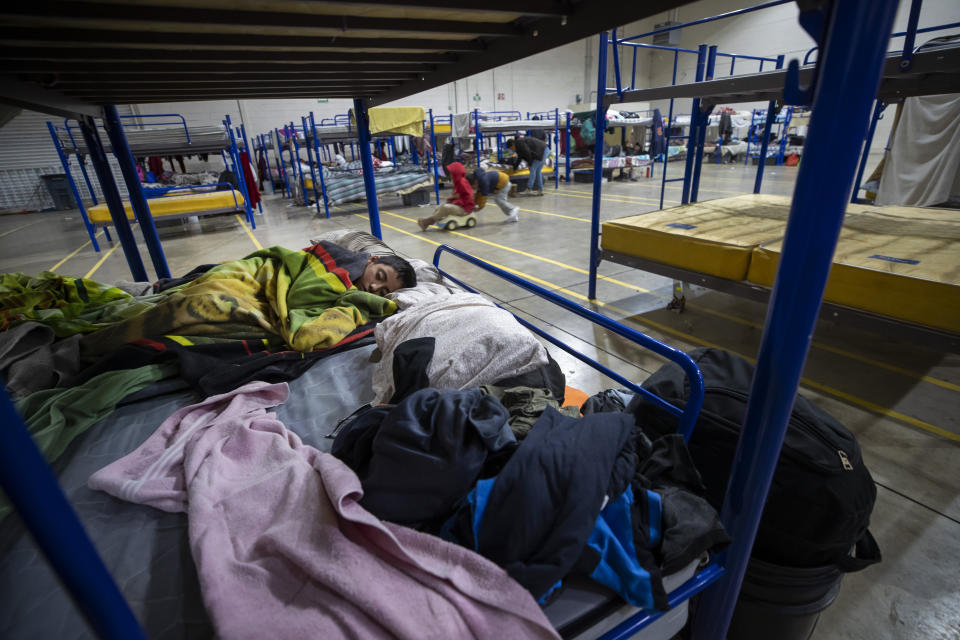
(59, 190)
(782, 602)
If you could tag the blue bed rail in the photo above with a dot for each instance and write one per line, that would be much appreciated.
(687, 415)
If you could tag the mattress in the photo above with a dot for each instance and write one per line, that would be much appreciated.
(146, 550)
(716, 237)
(517, 125)
(523, 173)
(899, 262)
(193, 204)
(346, 187)
(161, 141)
(617, 162)
(629, 122)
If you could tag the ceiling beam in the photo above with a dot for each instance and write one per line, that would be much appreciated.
(147, 99)
(139, 38)
(190, 66)
(201, 88)
(584, 19)
(70, 80)
(109, 15)
(36, 98)
(26, 52)
(526, 7)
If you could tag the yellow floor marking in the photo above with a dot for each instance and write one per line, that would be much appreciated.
(556, 215)
(102, 260)
(253, 238)
(636, 200)
(74, 252)
(865, 404)
(29, 224)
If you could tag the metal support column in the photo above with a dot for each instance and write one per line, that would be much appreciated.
(601, 118)
(369, 183)
(297, 167)
(111, 195)
(556, 148)
(323, 186)
(33, 490)
(864, 156)
(704, 119)
(478, 146)
(313, 172)
(692, 136)
(433, 149)
(249, 150)
(238, 172)
(851, 63)
(65, 163)
(765, 142)
(566, 155)
(121, 150)
(666, 152)
(283, 167)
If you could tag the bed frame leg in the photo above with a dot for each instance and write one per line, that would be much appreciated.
(679, 301)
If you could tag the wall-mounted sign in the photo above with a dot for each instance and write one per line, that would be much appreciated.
(323, 100)
(501, 96)
(476, 97)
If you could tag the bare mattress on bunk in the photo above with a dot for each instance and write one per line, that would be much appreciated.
(899, 262)
(174, 206)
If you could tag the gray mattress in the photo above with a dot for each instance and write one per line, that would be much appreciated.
(147, 550)
(160, 141)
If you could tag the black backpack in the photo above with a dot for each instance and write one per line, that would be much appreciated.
(819, 504)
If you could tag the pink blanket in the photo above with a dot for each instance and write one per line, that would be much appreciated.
(284, 550)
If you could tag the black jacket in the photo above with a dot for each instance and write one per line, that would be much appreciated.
(529, 149)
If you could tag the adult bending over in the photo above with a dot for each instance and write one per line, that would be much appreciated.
(534, 152)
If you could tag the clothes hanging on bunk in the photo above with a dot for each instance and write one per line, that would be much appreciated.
(250, 181)
(416, 460)
(155, 165)
(298, 527)
(725, 128)
(659, 144)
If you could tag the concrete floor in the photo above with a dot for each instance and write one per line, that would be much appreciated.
(900, 399)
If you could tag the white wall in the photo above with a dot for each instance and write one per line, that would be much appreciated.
(768, 33)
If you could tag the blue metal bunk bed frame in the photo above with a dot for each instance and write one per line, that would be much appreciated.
(853, 36)
(706, 66)
(113, 126)
(506, 116)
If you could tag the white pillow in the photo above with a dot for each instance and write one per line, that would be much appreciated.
(477, 342)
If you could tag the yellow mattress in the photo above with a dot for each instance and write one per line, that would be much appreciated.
(179, 205)
(899, 262)
(439, 128)
(716, 237)
(526, 172)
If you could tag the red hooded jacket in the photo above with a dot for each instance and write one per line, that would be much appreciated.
(463, 193)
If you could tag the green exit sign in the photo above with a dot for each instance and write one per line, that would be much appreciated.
(322, 100)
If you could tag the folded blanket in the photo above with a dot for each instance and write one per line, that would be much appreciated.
(275, 294)
(284, 550)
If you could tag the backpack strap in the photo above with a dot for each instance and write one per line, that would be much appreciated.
(866, 553)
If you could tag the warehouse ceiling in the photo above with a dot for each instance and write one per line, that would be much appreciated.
(73, 54)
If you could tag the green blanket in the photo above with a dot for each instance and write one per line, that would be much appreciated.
(67, 305)
(274, 294)
(55, 417)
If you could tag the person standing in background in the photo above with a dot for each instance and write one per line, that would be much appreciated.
(535, 153)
